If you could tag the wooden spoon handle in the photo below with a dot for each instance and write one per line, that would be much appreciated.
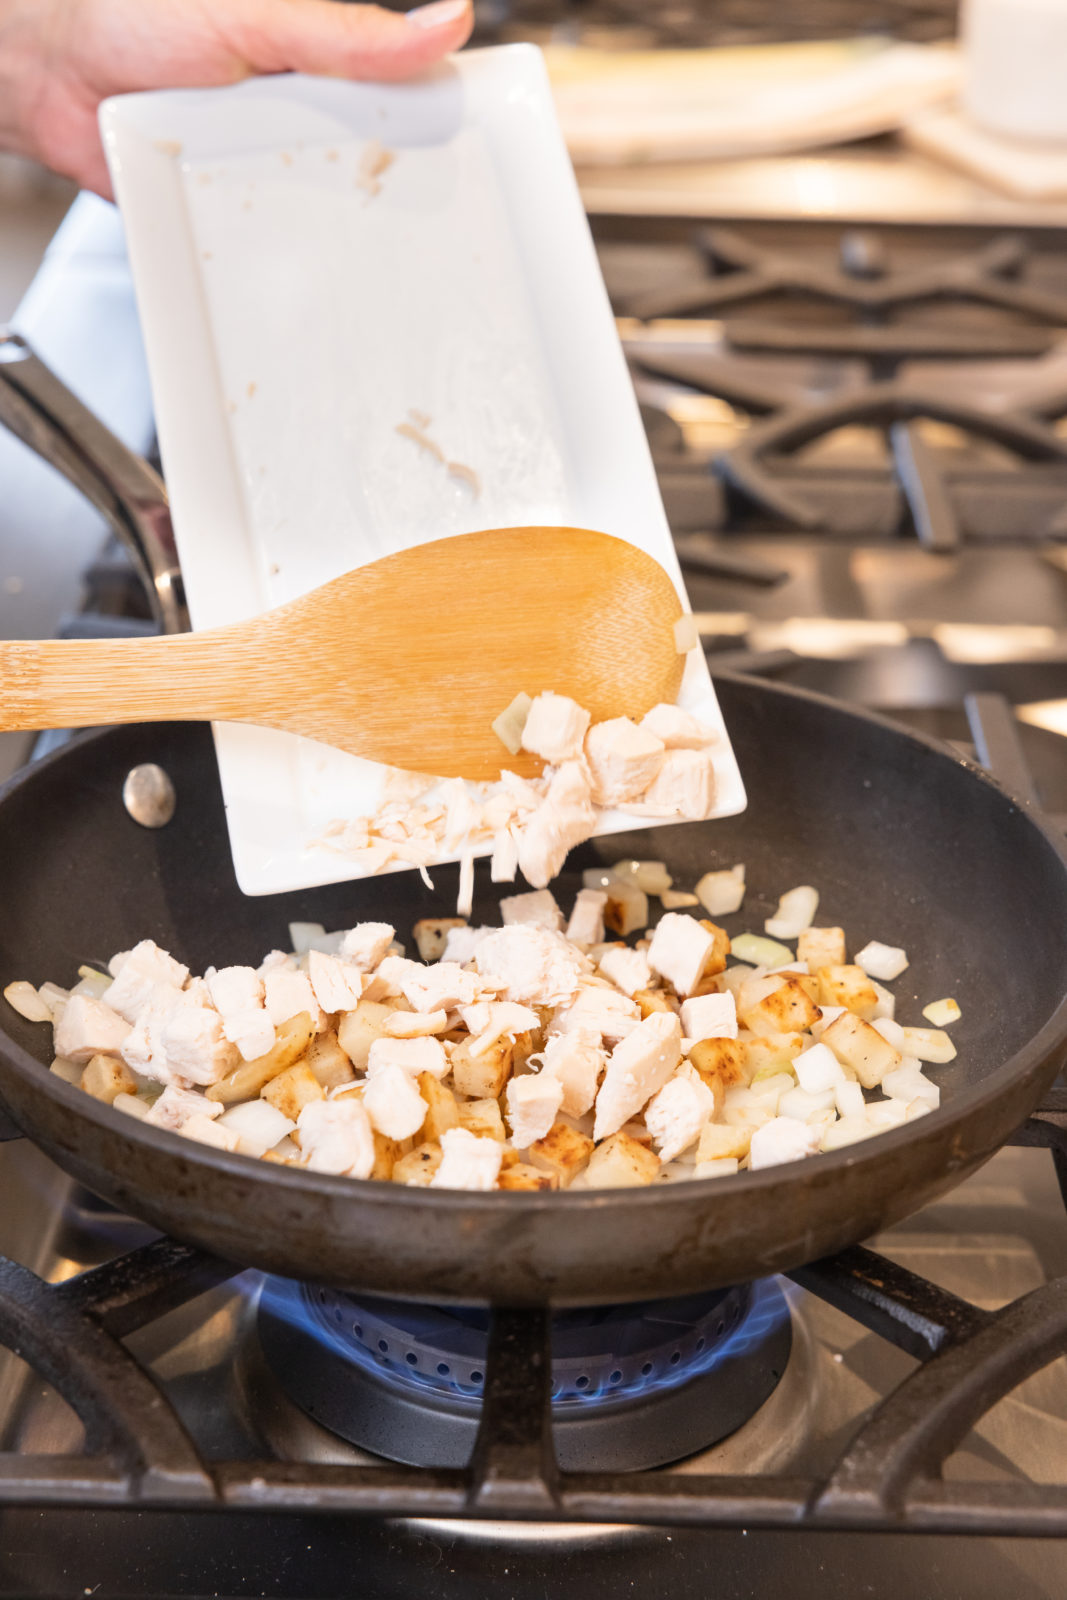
(74, 683)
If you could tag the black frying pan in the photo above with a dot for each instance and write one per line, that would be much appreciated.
(905, 842)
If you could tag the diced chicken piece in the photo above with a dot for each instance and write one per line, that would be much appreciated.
(818, 1070)
(497, 1019)
(680, 950)
(175, 1106)
(393, 1102)
(530, 965)
(287, 992)
(194, 1045)
(606, 1012)
(629, 969)
(393, 972)
(677, 729)
(468, 1162)
(821, 947)
(586, 925)
(622, 1162)
(445, 986)
(710, 1016)
(366, 944)
(677, 1114)
(563, 819)
(461, 943)
(533, 1102)
(576, 1060)
(204, 1131)
(540, 908)
(555, 728)
(782, 1140)
(684, 784)
(336, 1136)
(638, 1066)
(136, 976)
(883, 961)
(623, 760)
(89, 1027)
(237, 995)
(413, 1055)
(259, 1126)
(338, 985)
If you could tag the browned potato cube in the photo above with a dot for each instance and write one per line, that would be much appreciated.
(710, 983)
(482, 1118)
(720, 1062)
(716, 961)
(417, 1167)
(431, 935)
(106, 1076)
(809, 983)
(281, 1161)
(821, 947)
(246, 1081)
(768, 1053)
(621, 1163)
(292, 1089)
(651, 1000)
(387, 1152)
(521, 1176)
(563, 1151)
(526, 1044)
(482, 1076)
(328, 1062)
(849, 987)
(718, 1142)
(443, 1113)
(861, 1048)
(787, 1009)
(358, 1029)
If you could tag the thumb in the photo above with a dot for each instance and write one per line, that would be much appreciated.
(352, 41)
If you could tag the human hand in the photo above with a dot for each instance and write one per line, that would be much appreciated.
(60, 58)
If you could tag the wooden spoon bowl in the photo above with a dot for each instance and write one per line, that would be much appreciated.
(406, 661)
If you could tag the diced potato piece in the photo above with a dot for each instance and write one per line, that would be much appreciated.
(821, 947)
(716, 961)
(443, 1113)
(387, 1152)
(106, 1076)
(563, 1151)
(431, 935)
(653, 1000)
(522, 1176)
(719, 1141)
(620, 1162)
(809, 983)
(69, 1071)
(132, 1104)
(246, 1081)
(771, 1052)
(280, 1160)
(626, 908)
(787, 1009)
(720, 1063)
(328, 1062)
(418, 1166)
(725, 1167)
(482, 1118)
(743, 1109)
(526, 1044)
(929, 1044)
(292, 1089)
(482, 1076)
(709, 983)
(862, 1048)
(509, 1158)
(358, 1029)
(849, 987)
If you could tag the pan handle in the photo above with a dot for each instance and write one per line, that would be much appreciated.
(44, 414)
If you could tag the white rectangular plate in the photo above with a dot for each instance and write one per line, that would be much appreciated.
(297, 311)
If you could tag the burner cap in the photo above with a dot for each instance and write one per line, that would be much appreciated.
(633, 1387)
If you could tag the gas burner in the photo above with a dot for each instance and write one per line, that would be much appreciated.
(633, 1387)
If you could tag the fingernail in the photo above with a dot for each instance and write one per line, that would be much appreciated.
(439, 13)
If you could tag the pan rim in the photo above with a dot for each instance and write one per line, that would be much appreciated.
(1025, 1064)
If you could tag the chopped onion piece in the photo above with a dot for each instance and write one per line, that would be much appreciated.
(686, 634)
(675, 899)
(721, 1167)
(760, 952)
(891, 1032)
(509, 726)
(301, 935)
(941, 1012)
(23, 998)
(883, 961)
(722, 892)
(887, 1003)
(54, 998)
(651, 876)
(598, 878)
(132, 1104)
(929, 1044)
(796, 911)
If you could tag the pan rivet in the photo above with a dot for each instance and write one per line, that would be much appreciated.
(148, 795)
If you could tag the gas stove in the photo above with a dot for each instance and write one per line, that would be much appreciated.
(859, 440)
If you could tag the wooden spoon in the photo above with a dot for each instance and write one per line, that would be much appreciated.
(406, 661)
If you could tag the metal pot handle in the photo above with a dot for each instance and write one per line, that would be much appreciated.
(44, 414)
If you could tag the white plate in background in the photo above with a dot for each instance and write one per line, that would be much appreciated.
(298, 309)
